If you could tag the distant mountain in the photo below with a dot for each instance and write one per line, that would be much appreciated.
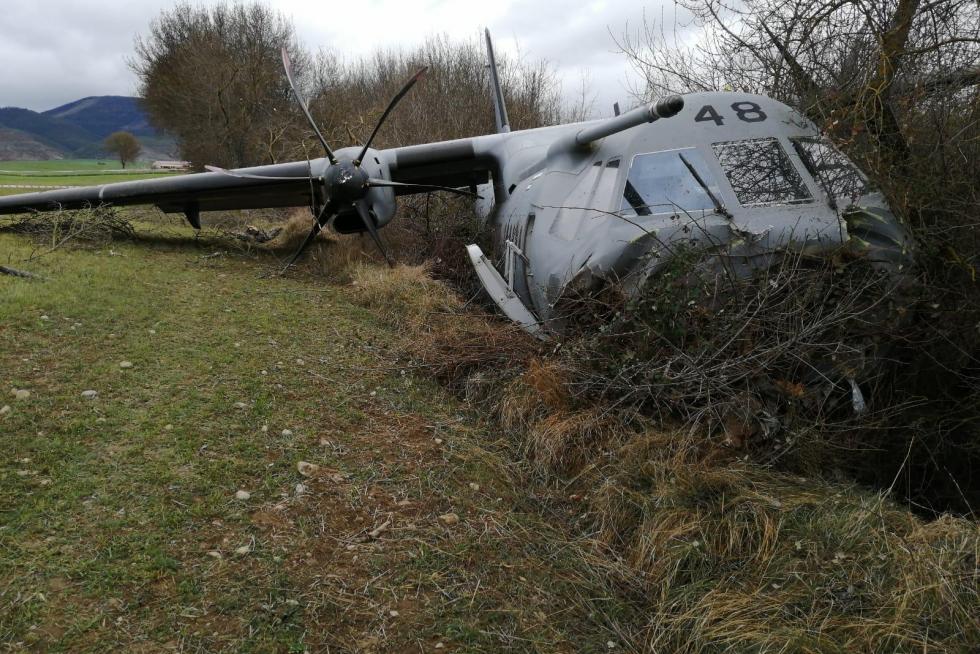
(76, 130)
(101, 116)
(52, 131)
(16, 145)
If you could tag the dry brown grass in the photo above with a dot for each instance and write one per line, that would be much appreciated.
(330, 255)
(406, 295)
(441, 335)
(734, 556)
(294, 230)
(717, 554)
(537, 392)
(565, 442)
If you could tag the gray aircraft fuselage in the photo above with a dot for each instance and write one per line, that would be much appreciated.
(564, 214)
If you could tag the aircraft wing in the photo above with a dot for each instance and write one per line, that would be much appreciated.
(277, 185)
(459, 163)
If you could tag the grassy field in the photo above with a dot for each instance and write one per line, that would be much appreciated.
(66, 165)
(68, 172)
(120, 522)
(177, 510)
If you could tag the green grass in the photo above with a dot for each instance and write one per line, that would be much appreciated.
(65, 165)
(69, 172)
(77, 180)
(110, 509)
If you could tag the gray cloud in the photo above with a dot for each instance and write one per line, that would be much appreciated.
(57, 51)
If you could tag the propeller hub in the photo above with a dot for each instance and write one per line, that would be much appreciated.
(346, 182)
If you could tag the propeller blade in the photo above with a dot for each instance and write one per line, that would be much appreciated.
(317, 226)
(288, 67)
(421, 187)
(365, 214)
(391, 105)
(240, 175)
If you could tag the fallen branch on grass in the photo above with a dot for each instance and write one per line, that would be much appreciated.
(19, 273)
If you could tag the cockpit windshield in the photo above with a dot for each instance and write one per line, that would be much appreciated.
(761, 172)
(660, 182)
(831, 168)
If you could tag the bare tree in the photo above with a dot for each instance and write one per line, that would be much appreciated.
(453, 101)
(212, 76)
(895, 82)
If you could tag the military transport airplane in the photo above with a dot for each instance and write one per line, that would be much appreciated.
(575, 206)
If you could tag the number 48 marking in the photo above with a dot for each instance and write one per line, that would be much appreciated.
(747, 112)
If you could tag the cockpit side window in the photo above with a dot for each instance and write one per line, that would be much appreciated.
(660, 182)
(831, 168)
(761, 173)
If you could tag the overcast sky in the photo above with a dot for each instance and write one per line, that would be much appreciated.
(56, 51)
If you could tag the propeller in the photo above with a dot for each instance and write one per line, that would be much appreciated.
(362, 207)
(318, 224)
(345, 183)
(391, 105)
(288, 67)
(365, 213)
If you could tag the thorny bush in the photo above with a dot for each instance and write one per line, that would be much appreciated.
(813, 365)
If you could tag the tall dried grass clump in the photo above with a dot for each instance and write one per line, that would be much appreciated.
(331, 255)
(539, 391)
(565, 442)
(404, 295)
(733, 557)
(441, 336)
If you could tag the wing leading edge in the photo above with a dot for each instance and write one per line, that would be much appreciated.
(461, 163)
(282, 185)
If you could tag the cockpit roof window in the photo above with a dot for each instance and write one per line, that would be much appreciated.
(659, 182)
(761, 172)
(831, 168)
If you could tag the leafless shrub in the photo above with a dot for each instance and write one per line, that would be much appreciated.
(99, 225)
(714, 347)
(813, 365)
